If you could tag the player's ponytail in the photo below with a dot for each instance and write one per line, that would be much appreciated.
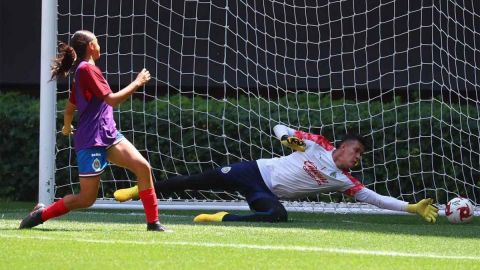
(64, 60)
(68, 55)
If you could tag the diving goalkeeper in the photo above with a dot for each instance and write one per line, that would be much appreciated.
(316, 166)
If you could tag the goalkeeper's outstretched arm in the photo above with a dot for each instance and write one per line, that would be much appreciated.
(281, 130)
(288, 139)
(424, 208)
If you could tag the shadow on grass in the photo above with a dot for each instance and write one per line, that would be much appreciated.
(387, 224)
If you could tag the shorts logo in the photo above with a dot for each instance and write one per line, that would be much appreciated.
(226, 169)
(96, 165)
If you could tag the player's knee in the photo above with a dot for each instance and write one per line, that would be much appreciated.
(89, 201)
(142, 167)
(147, 167)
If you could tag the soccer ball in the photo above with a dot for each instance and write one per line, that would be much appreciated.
(459, 210)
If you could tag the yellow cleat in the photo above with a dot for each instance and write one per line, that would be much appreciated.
(217, 217)
(125, 194)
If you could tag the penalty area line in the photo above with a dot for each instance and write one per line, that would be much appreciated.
(252, 246)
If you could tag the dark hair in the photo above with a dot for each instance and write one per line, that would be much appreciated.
(352, 137)
(68, 55)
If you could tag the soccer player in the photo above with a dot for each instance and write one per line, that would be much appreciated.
(316, 166)
(96, 138)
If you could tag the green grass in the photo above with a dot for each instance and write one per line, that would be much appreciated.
(118, 240)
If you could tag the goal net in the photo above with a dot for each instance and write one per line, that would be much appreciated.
(404, 74)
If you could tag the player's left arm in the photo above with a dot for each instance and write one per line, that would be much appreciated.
(424, 208)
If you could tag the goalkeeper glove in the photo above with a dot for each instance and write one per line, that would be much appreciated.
(425, 209)
(293, 143)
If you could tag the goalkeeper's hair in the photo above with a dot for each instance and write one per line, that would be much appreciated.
(352, 137)
(69, 55)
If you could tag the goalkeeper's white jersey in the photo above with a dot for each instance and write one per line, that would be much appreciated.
(303, 173)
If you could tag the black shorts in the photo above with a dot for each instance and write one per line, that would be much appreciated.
(246, 178)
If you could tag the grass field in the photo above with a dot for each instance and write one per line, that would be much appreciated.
(118, 240)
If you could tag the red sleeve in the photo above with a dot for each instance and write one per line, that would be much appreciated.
(72, 98)
(357, 184)
(318, 139)
(91, 80)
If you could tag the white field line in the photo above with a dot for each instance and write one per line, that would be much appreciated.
(250, 246)
(9, 211)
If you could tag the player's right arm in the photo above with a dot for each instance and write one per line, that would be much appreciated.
(113, 99)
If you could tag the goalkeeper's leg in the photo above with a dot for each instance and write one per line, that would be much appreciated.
(248, 181)
(266, 210)
(211, 179)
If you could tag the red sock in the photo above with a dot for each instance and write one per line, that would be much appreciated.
(54, 210)
(150, 204)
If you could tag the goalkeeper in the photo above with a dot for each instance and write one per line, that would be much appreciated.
(315, 166)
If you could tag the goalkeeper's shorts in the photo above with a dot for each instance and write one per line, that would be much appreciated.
(246, 178)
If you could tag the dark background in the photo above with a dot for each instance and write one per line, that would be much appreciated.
(20, 44)
(341, 46)
(364, 50)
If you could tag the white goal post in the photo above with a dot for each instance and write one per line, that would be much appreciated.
(404, 74)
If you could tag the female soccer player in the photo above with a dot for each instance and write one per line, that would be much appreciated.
(96, 138)
(316, 167)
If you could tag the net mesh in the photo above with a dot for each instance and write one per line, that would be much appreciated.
(401, 73)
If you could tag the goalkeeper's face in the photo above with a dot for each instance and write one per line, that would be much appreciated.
(350, 153)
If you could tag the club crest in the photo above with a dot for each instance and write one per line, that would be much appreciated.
(226, 169)
(96, 164)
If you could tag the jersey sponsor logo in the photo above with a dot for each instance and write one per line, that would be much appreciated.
(313, 171)
(96, 155)
(96, 165)
(333, 174)
(226, 169)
